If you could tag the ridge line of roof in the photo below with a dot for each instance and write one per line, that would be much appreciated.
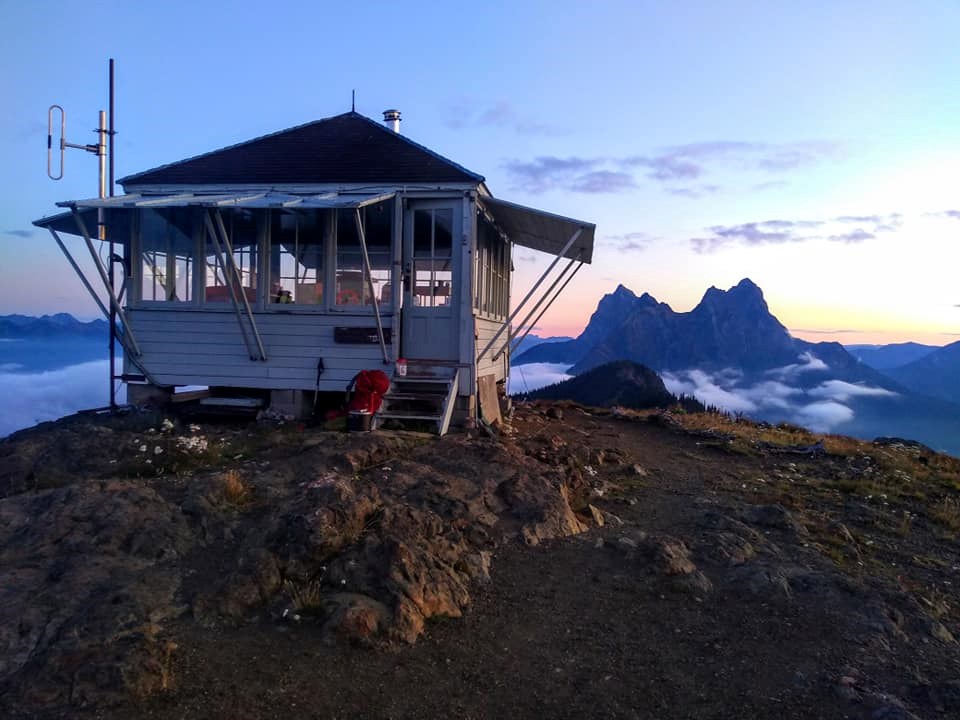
(479, 178)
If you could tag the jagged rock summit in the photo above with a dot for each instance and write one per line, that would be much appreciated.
(727, 328)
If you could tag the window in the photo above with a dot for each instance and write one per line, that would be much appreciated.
(492, 292)
(352, 287)
(432, 257)
(296, 257)
(167, 254)
(241, 226)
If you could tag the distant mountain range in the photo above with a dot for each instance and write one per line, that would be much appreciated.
(532, 340)
(50, 326)
(732, 352)
(936, 373)
(885, 357)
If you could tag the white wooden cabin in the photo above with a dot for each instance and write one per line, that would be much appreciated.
(290, 262)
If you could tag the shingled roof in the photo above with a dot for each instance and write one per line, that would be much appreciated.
(348, 148)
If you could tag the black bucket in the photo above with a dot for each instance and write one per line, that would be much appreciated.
(358, 421)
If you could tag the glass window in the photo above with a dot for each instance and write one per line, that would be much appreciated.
(241, 227)
(167, 254)
(492, 292)
(432, 257)
(351, 281)
(296, 257)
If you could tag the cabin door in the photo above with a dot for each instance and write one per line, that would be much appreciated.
(431, 292)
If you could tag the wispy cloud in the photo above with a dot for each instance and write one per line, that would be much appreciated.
(806, 362)
(770, 185)
(602, 181)
(776, 232)
(854, 236)
(842, 391)
(680, 169)
(694, 192)
(952, 214)
(501, 113)
(19, 233)
(693, 160)
(551, 173)
(629, 242)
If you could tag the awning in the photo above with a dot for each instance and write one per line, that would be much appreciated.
(541, 230)
(64, 222)
(118, 223)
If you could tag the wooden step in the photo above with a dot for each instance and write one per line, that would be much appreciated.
(407, 416)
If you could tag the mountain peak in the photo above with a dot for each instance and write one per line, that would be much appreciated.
(744, 292)
(647, 300)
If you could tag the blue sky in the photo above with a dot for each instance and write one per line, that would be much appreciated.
(813, 147)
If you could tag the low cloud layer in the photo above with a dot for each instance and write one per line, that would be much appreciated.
(31, 398)
(843, 229)
(527, 378)
(821, 408)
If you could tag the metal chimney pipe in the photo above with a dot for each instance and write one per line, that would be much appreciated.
(391, 118)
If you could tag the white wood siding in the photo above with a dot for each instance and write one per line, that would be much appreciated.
(486, 329)
(206, 348)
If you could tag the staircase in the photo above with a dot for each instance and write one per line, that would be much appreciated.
(425, 395)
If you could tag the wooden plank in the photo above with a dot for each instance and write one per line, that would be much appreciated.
(182, 397)
(290, 360)
(278, 321)
(326, 385)
(489, 401)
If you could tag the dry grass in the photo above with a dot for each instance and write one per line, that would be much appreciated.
(305, 597)
(906, 523)
(233, 489)
(947, 512)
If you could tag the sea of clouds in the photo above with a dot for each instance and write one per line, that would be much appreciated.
(781, 394)
(28, 398)
(822, 407)
(527, 378)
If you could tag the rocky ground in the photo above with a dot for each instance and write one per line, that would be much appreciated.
(585, 563)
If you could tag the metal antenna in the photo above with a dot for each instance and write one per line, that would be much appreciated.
(100, 150)
(353, 101)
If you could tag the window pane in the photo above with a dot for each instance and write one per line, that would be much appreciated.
(422, 233)
(296, 257)
(443, 232)
(353, 286)
(241, 226)
(167, 255)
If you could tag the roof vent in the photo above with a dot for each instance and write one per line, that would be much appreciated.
(391, 118)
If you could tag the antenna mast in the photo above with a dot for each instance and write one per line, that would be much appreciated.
(100, 150)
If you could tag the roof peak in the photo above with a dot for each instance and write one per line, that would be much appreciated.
(338, 148)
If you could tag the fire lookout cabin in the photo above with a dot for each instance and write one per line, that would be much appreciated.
(289, 263)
